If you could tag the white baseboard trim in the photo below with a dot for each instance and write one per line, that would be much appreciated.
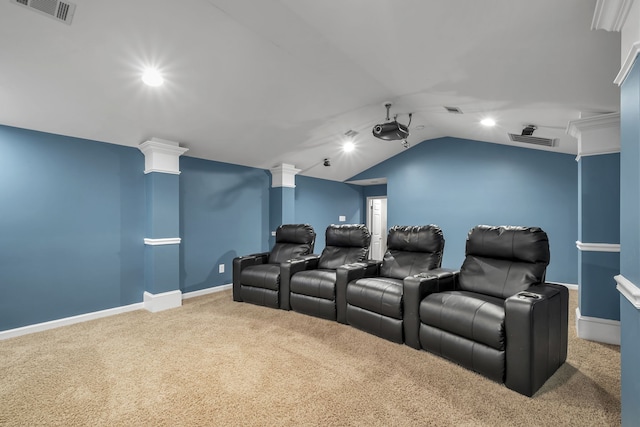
(207, 291)
(595, 329)
(39, 327)
(163, 301)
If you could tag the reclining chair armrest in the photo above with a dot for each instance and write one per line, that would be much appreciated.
(310, 261)
(416, 288)
(239, 263)
(536, 323)
(288, 269)
(345, 274)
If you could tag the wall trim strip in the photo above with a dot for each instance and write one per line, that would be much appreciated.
(39, 327)
(598, 247)
(596, 329)
(166, 241)
(628, 290)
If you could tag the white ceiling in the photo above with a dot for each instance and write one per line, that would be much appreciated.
(265, 82)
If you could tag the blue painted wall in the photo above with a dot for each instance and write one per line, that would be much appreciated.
(630, 176)
(597, 293)
(320, 202)
(162, 196)
(224, 213)
(630, 243)
(599, 198)
(374, 190)
(599, 222)
(458, 184)
(629, 356)
(72, 223)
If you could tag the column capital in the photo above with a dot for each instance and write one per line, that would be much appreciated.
(596, 135)
(161, 155)
(283, 175)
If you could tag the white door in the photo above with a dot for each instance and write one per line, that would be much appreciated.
(377, 225)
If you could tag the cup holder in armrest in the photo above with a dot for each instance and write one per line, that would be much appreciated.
(528, 295)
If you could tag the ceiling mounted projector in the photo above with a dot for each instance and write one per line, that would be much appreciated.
(391, 130)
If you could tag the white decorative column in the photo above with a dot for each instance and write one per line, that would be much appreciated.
(282, 197)
(162, 256)
(598, 311)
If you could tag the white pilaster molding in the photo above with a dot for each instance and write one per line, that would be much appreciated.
(610, 15)
(166, 241)
(628, 290)
(163, 301)
(283, 175)
(161, 155)
(596, 329)
(598, 247)
(596, 135)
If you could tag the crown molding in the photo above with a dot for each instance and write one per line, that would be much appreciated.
(610, 15)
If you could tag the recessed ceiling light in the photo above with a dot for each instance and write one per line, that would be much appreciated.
(488, 122)
(152, 77)
(348, 146)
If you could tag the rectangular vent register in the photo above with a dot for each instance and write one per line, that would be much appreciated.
(61, 11)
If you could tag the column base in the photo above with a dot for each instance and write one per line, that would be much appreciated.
(605, 331)
(163, 301)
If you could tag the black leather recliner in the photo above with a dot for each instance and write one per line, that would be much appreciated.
(374, 295)
(496, 316)
(313, 279)
(257, 277)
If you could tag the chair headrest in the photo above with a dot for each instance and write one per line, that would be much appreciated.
(525, 244)
(348, 235)
(295, 233)
(415, 238)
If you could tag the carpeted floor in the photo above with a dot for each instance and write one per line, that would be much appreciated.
(216, 362)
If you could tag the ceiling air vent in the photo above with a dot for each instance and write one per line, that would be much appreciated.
(528, 139)
(59, 10)
(453, 110)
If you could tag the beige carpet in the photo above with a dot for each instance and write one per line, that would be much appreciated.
(215, 362)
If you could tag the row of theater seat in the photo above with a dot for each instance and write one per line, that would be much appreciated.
(496, 315)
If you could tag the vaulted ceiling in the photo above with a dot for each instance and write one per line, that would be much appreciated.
(265, 82)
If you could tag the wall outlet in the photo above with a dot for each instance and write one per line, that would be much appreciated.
(221, 268)
(342, 218)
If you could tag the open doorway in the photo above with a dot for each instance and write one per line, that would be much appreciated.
(377, 225)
